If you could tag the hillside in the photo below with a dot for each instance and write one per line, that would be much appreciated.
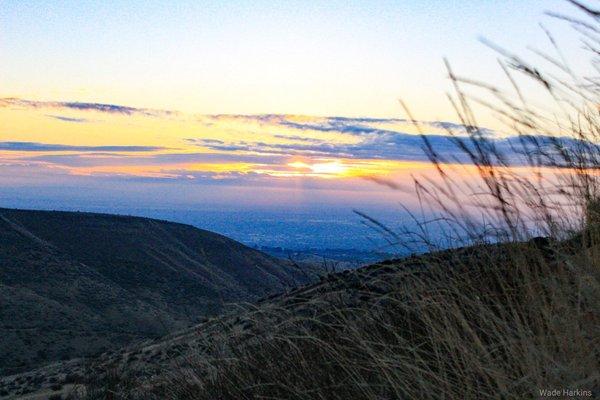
(469, 322)
(75, 284)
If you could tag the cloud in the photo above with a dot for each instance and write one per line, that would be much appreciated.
(68, 119)
(83, 106)
(270, 119)
(366, 120)
(396, 146)
(451, 126)
(206, 141)
(357, 126)
(38, 147)
(348, 125)
(392, 146)
(272, 138)
(108, 159)
(384, 139)
(332, 125)
(297, 138)
(366, 126)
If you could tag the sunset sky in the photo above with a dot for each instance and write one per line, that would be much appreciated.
(238, 104)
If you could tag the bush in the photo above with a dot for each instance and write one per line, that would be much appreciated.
(71, 378)
(56, 387)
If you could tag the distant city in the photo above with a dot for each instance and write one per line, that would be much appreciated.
(339, 235)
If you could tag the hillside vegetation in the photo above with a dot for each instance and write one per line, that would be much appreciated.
(487, 321)
(75, 284)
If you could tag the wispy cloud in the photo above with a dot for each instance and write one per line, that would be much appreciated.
(378, 138)
(39, 147)
(345, 125)
(169, 159)
(297, 138)
(68, 119)
(209, 142)
(83, 106)
(382, 146)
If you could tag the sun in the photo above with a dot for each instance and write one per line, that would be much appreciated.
(325, 169)
(332, 168)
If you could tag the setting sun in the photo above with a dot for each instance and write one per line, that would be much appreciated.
(333, 168)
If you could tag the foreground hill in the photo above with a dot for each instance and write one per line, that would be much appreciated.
(484, 322)
(74, 284)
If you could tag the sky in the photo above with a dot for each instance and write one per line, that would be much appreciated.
(240, 105)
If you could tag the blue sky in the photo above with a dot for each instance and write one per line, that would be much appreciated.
(297, 57)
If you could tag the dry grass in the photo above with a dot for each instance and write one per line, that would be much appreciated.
(496, 321)
(504, 318)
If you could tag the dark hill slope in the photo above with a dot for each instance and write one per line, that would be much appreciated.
(439, 320)
(73, 284)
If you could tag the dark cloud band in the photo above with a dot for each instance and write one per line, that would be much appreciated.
(38, 147)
